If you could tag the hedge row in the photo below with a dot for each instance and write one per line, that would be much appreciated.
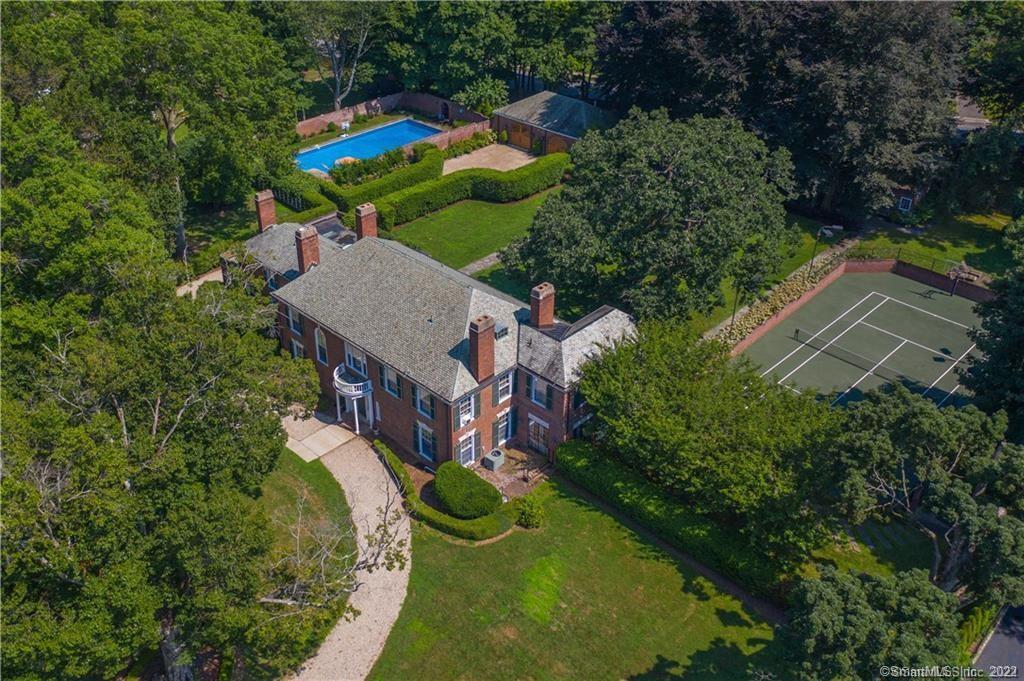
(463, 493)
(427, 165)
(483, 184)
(697, 535)
(319, 205)
(974, 627)
(486, 527)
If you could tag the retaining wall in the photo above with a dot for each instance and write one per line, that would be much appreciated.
(443, 140)
(422, 103)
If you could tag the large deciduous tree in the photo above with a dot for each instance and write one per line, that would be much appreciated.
(997, 377)
(860, 93)
(845, 626)
(656, 212)
(900, 455)
(340, 34)
(995, 57)
(710, 430)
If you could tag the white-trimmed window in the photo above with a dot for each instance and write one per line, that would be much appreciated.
(298, 350)
(906, 203)
(465, 452)
(505, 387)
(423, 401)
(294, 319)
(321, 345)
(503, 428)
(355, 359)
(424, 441)
(464, 411)
(540, 392)
(390, 381)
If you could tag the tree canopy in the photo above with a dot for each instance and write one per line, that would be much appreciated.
(657, 212)
(995, 57)
(860, 93)
(711, 431)
(845, 626)
(899, 454)
(997, 378)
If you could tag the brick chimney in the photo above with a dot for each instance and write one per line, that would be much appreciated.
(366, 221)
(266, 211)
(481, 347)
(307, 247)
(542, 305)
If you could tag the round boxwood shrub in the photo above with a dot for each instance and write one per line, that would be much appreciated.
(463, 493)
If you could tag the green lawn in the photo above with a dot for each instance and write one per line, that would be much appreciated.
(499, 278)
(469, 230)
(582, 598)
(210, 233)
(292, 476)
(974, 239)
(877, 549)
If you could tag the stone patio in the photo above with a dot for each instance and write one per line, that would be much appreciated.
(496, 156)
(522, 471)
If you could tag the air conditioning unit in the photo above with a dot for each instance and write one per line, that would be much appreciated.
(494, 460)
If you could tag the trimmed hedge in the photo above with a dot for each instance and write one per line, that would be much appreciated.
(486, 527)
(464, 493)
(319, 205)
(427, 165)
(483, 184)
(478, 140)
(697, 535)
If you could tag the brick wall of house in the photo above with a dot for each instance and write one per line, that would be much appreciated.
(556, 417)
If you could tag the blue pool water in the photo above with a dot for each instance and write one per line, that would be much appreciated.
(364, 144)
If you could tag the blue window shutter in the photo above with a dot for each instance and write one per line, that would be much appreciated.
(416, 438)
(433, 446)
(414, 391)
(432, 411)
(383, 378)
(513, 423)
(495, 435)
(529, 386)
(455, 415)
(476, 405)
(515, 381)
(549, 395)
(494, 393)
(398, 381)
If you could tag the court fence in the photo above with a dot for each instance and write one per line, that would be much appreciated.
(847, 257)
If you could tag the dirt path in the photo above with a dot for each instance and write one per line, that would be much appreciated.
(351, 649)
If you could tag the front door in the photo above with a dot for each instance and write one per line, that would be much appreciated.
(538, 435)
(519, 135)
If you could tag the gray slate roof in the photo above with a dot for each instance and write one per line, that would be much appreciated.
(557, 113)
(557, 355)
(275, 249)
(413, 313)
(407, 310)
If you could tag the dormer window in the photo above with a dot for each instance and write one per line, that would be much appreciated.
(500, 331)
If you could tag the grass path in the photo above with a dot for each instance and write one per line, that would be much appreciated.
(583, 597)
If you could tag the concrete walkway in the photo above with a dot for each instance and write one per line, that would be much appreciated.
(496, 156)
(353, 646)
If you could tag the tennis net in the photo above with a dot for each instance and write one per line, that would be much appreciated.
(849, 356)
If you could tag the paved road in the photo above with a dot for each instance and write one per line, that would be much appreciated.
(1006, 647)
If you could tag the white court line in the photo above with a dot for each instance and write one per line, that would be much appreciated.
(801, 345)
(843, 333)
(891, 353)
(949, 394)
(914, 307)
(943, 374)
(899, 337)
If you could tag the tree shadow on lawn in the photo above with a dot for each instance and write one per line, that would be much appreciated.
(949, 235)
(718, 661)
(699, 581)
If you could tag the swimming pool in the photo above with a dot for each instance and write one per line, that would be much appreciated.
(367, 144)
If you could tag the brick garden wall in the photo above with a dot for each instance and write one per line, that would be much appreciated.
(904, 269)
(422, 103)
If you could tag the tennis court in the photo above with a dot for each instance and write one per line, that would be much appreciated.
(866, 330)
